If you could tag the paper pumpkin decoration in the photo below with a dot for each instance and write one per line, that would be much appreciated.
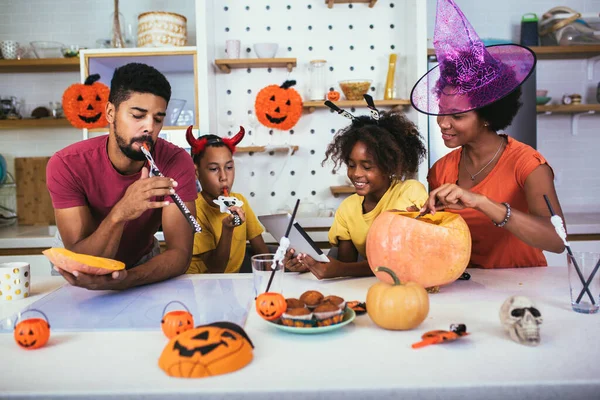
(32, 333)
(278, 107)
(432, 250)
(84, 104)
(270, 305)
(175, 322)
(91, 265)
(399, 306)
(207, 350)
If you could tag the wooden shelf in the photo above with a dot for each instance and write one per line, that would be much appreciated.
(227, 64)
(330, 3)
(312, 105)
(346, 189)
(570, 109)
(40, 65)
(557, 52)
(262, 149)
(32, 123)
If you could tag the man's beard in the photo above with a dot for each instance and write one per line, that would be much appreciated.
(127, 148)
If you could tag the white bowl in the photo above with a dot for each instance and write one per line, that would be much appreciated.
(265, 50)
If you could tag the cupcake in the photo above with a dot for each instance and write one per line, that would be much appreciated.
(298, 318)
(336, 301)
(312, 298)
(328, 314)
(294, 303)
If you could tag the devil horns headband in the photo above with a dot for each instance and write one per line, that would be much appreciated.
(198, 145)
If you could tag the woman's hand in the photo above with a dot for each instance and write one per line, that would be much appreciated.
(452, 197)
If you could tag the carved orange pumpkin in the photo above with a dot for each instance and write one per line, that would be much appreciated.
(278, 107)
(207, 350)
(270, 305)
(431, 250)
(175, 322)
(84, 104)
(333, 95)
(399, 306)
(32, 333)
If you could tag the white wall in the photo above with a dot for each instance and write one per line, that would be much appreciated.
(573, 158)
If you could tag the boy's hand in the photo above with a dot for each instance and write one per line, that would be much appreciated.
(228, 221)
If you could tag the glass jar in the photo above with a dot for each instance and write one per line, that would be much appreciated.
(317, 88)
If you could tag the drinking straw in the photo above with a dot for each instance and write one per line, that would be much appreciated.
(587, 283)
(560, 230)
(283, 245)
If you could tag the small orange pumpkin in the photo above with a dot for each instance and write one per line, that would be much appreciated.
(333, 95)
(270, 305)
(207, 350)
(175, 322)
(278, 107)
(400, 306)
(84, 104)
(32, 333)
(432, 250)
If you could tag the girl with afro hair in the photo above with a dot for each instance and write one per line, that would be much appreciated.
(380, 153)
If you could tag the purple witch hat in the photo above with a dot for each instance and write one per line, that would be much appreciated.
(469, 75)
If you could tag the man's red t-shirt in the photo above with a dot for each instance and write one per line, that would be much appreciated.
(82, 175)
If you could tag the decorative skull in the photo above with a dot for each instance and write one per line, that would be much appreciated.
(521, 319)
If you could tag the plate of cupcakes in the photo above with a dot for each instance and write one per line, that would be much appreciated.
(314, 313)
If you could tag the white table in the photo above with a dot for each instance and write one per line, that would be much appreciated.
(357, 362)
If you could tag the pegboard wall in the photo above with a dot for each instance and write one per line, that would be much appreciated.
(355, 40)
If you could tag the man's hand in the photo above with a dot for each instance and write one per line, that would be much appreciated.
(136, 199)
(94, 282)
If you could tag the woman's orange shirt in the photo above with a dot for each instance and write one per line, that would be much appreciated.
(495, 247)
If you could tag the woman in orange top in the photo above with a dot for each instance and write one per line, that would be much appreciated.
(493, 181)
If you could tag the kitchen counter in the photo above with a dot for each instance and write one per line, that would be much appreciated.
(19, 237)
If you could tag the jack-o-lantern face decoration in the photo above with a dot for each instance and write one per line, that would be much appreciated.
(207, 350)
(333, 95)
(32, 333)
(175, 322)
(278, 107)
(84, 104)
(270, 305)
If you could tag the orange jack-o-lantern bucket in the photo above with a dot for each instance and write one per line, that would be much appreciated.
(32, 333)
(176, 322)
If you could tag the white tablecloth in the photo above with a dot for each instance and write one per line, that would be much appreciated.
(356, 362)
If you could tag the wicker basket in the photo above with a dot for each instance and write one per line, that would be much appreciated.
(161, 29)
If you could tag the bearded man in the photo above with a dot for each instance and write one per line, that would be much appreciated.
(105, 203)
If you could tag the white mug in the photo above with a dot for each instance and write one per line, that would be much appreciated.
(15, 278)
(9, 49)
(232, 48)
